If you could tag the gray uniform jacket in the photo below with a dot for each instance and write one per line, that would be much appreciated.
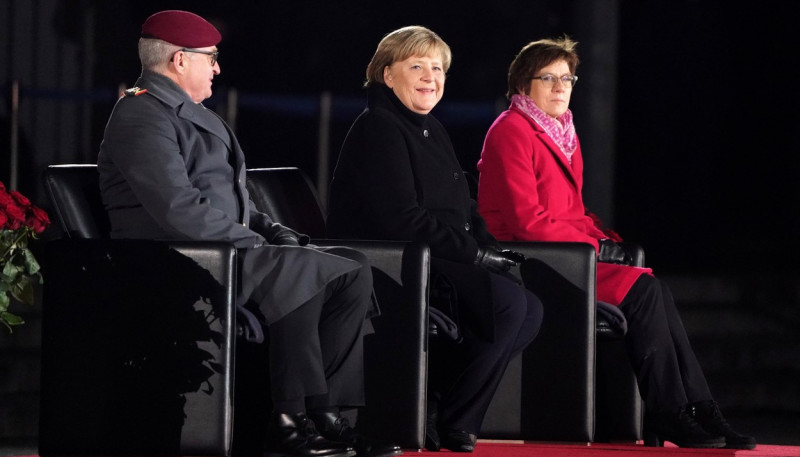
(171, 169)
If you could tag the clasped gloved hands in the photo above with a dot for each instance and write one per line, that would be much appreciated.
(612, 252)
(497, 260)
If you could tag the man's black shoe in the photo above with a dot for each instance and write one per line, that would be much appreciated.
(295, 436)
(337, 428)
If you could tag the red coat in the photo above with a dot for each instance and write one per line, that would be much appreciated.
(528, 191)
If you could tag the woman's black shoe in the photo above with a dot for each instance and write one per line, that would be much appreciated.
(337, 428)
(708, 415)
(295, 436)
(458, 440)
(679, 428)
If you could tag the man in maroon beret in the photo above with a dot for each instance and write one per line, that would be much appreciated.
(171, 169)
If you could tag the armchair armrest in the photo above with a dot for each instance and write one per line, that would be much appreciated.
(137, 347)
(557, 398)
(396, 355)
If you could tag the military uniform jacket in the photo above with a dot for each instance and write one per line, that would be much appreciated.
(171, 169)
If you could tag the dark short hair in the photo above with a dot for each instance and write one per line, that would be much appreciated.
(536, 55)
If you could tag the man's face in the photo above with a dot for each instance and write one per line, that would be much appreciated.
(199, 73)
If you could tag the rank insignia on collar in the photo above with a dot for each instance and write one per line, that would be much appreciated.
(134, 92)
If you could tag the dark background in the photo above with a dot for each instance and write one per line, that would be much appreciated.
(686, 110)
(705, 160)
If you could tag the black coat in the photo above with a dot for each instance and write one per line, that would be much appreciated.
(398, 178)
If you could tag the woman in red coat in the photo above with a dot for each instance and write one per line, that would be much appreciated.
(531, 178)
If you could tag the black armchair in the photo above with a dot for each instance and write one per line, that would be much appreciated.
(396, 355)
(120, 375)
(549, 393)
(131, 363)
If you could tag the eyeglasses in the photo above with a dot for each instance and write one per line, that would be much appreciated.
(549, 80)
(214, 54)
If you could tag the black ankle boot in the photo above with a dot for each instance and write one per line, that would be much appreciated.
(337, 428)
(295, 436)
(708, 415)
(679, 428)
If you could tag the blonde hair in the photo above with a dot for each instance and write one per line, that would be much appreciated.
(413, 40)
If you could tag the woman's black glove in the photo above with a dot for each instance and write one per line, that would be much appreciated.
(494, 260)
(516, 257)
(611, 252)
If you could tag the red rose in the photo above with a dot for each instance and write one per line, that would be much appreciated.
(3, 220)
(16, 217)
(6, 199)
(37, 219)
(20, 199)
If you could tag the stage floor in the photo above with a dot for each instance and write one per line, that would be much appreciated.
(488, 448)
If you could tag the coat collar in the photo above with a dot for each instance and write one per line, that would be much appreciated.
(171, 94)
(381, 96)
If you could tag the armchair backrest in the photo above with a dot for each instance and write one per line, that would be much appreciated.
(289, 197)
(74, 191)
(286, 194)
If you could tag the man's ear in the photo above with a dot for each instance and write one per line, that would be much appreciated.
(178, 62)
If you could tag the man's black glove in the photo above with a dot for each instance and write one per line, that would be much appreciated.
(285, 239)
(493, 260)
(611, 252)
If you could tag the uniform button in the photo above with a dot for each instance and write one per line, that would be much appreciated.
(456, 175)
(425, 133)
(467, 226)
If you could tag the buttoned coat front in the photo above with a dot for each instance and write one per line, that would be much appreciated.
(398, 178)
(171, 169)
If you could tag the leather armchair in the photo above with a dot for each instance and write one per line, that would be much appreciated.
(396, 355)
(549, 392)
(123, 371)
(575, 381)
(131, 363)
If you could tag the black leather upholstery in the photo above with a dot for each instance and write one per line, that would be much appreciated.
(289, 197)
(73, 190)
(548, 393)
(575, 382)
(130, 362)
(84, 365)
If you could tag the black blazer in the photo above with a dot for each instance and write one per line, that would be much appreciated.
(398, 178)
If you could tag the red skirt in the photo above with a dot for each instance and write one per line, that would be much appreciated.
(614, 281)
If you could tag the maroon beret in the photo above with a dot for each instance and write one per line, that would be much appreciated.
(181, 28)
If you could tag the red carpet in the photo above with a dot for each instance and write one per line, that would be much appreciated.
(516, 449)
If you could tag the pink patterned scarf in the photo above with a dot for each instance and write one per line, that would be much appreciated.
(561, 130)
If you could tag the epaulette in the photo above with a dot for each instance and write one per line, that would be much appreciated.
(134, 92)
